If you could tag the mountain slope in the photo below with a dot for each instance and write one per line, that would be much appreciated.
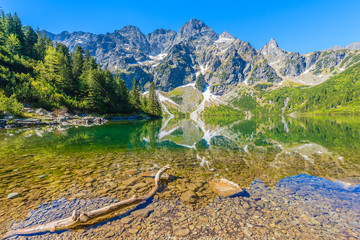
(311, 68)
(339, 94)
(173, 59)
(232, 71)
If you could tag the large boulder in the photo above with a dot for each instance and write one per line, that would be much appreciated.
(224, 187)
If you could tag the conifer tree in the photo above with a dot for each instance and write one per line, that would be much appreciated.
(13, 43)
(51, 67)
(122, 93)
(19, 31)
(122, 90)
(2, 28)
(154, 107)
(41, 45)
(78, 61)
(134, 96)
(89, 64)
(109, 90)
(87, 59)
(144, 104)
(9, 25)
(30, 41)
(94, 97)
(67, 82)
(87, 54)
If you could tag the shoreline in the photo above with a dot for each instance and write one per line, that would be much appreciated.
(11, 123)
(41, 117)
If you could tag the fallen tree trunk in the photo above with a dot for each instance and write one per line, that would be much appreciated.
(78, 218)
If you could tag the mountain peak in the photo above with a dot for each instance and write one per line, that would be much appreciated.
(272, 43)
(129, 28)
(227, 35)
(195, 21)
(272, 52)
(193, 24)
(196, 29)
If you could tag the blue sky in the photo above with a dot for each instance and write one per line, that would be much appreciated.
(302, 26)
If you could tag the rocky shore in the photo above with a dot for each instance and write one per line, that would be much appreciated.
(41, 117)
(287, 212)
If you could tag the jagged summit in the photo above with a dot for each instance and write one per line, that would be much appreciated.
(196, 31)
(196, 21)
(172, 59)
(272, 43)
(227, 35)
(272, 52)
(129, 29)
(194, 25)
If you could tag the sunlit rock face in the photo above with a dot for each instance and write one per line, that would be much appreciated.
(174, 59)
(272, 52)
(170, 58)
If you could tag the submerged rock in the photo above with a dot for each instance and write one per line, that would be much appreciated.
(142, 213)
(89, 180)
(130, 181)
(224, 187)
(189, 197)
(131, 172)
(147, 174)
(182, 232)
(192, 187)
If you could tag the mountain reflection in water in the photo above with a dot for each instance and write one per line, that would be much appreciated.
(306, 165)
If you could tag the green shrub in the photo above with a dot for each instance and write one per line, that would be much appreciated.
(10, 105)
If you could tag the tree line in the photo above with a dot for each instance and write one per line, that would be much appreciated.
(35, 71)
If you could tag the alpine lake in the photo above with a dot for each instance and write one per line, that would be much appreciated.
(300, 178)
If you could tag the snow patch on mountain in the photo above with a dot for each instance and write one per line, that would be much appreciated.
(221, 40)
(188, 85)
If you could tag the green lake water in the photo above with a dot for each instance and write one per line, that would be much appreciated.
(320, 154)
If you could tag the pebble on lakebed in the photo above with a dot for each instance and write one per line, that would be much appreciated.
(284, 212)
(13, 195)
(263, 215)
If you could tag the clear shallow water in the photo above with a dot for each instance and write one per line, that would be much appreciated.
(312, 164)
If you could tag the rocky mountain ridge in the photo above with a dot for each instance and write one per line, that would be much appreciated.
(174, 59)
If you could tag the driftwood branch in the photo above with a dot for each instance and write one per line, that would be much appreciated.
(81, 218)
